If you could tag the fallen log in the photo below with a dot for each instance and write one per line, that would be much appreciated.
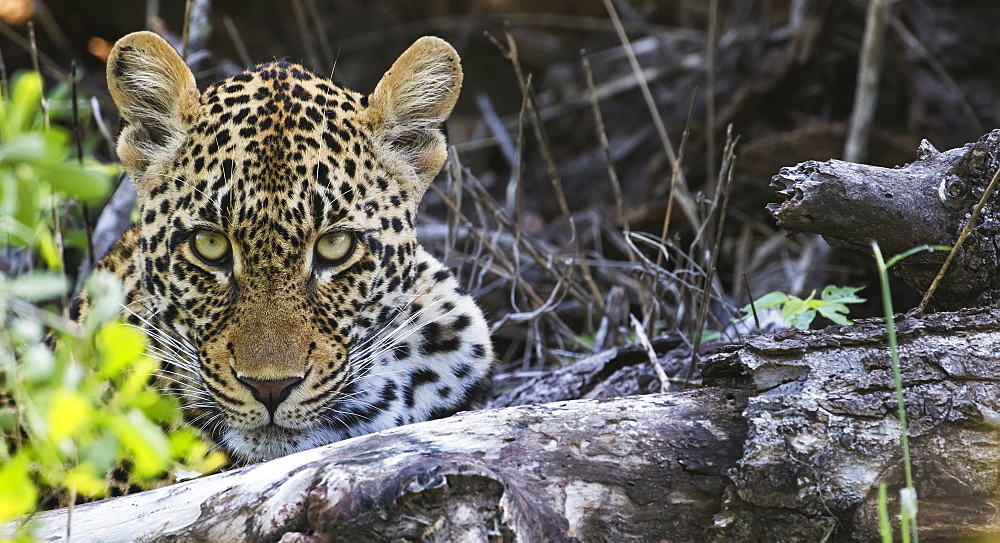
(587, 470)
(823, 431)
(790, 442)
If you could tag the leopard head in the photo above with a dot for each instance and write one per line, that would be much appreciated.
(276, 228)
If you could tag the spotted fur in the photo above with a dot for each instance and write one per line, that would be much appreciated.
(276, 350)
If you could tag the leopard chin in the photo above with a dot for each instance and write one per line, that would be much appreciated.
(272, 441)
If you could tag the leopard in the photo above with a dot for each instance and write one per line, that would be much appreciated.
(274, 262)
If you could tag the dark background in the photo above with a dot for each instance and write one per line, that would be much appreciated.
(784, 74)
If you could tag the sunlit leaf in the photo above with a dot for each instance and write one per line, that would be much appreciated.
(119, 345)
(69, 412)
(24, 105)
(211, 462)
(17, 492)
(146, 443)
(158, 407)
(85, 479)
(46, 244)
(771, 299)
(181, 441)
(137, 379)
(792, 308)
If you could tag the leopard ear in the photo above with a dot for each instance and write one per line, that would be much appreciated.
(154, 90)
(411, 101)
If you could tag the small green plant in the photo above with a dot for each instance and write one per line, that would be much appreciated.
(799, 313)
(908, 494)
(82, 405)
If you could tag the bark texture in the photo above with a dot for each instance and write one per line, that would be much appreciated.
(585, 470)
(823, 431)
(926, 202)
(788, 443)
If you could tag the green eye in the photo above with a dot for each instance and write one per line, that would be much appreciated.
(212, 247)
(335, 247)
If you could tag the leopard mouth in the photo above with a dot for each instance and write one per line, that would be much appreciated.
(272, 441)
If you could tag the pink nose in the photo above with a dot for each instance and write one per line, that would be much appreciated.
(270, 392)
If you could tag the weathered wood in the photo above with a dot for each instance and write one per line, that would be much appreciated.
(925, 202)
(823, 431)
(587, 470)
(609, 373)
(789, 443)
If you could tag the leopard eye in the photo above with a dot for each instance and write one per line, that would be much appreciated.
(212, 247)
(335, 247)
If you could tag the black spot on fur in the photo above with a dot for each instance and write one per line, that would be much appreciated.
(478, 350)
(435, 340)
(462, 370)
(418, 378)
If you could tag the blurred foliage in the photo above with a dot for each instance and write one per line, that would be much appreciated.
(81, 401)
(37, 172)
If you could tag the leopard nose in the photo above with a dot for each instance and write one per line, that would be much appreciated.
(270, 392)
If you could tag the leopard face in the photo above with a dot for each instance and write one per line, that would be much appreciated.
(275, 261)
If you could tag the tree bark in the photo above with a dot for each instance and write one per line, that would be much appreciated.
(926, 202)
(823, 431)
(788, 443)
(583, 470)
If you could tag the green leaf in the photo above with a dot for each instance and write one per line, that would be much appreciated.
(149, 448)
(74, 181)
(46, 244)
(68, 414)
(136, 380)
(792, 308)
(835, 312)
(26, 199)
(38, 365)
(884, 524)
(120, 345)
(103, 454)
(802, 320)
(27, 147)
(24, 106)
(8, 421)
(17, 492)
(769, 300)
(844, 295)
(181, 441)
(106, 296)
(38, 285)
(710, 335)
(159, 407)
(85, 480)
